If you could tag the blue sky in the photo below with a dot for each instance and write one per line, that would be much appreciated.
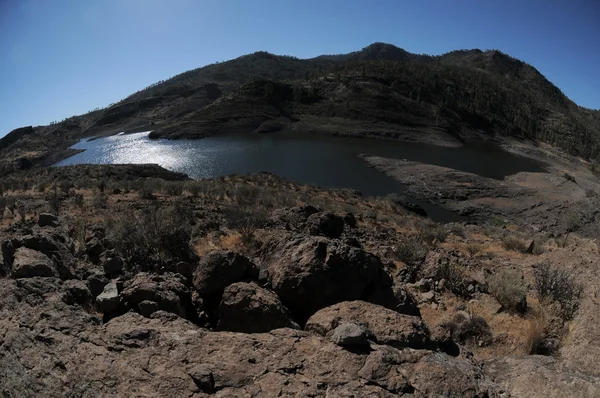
(64, 57)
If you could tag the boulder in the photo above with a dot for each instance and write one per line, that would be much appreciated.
(76, 292)
(147, 308)
(203, 378)
(54, 246)
(350, 334)
(168, 291)
(293, 217)
(310, 273)
(219, 269)
(108, 301)
(248, 308)
(396, 298)
(385, 326)
(48, 220)
(96, 282)
(325, 224)
(350, 220)
(28, 263)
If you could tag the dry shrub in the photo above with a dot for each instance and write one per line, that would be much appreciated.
(556, 284)
(456, 280)
(154, 238)
(173, 188)
(509, 289)
(412, 252)
(54, 201)
(469, 328)
(78, 228)
(473, 248)
(99, 201)
(246, 222)
(194, 188)
(544, 332)
(149, 187)
(514, 244)
(431, 233)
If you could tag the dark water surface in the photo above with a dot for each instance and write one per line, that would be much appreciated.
(306, 158)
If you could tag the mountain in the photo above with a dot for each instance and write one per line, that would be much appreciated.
(379, 91)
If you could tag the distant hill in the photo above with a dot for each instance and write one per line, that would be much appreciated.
(379, 91)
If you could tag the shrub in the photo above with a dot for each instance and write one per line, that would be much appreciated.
(544, 333)
(194, 188)
(150, 240)
(149, 187)
(458, 230)
(101, 185)
(431, 234)
(555, 284)
(65, 186)
(55, 201)
(412, 252)
(78, 200)
(173, 188)
(468, 328)
(473, 248)
(99, 201)
(456, 280)
(514, 244)
(509, 289)
(78, 232)
(245, 222)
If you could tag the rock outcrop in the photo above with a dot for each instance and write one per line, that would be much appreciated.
(248, 308)
(384, 326)
(168, 291)
(310, 273)
(219, 269)
(28, 263)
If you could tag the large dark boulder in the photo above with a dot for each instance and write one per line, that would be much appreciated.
(325, 224)
(28, 263)
(385, 326)
(310, 273)
(248, 308)
(219, 269)
(54, 245)
(48, 220)
(168, 291)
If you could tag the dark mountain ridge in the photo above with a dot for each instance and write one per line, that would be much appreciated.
(380, 91)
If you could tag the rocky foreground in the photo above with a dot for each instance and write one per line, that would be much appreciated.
(116, 283)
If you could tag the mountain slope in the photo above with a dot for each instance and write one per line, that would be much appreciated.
(379, 91)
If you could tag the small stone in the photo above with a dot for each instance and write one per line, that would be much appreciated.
(442, 284)
(428, 296)
(350, 334)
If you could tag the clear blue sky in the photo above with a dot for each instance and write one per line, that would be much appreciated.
(64, 57)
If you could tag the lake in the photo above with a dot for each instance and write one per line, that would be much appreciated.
(303, 157)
